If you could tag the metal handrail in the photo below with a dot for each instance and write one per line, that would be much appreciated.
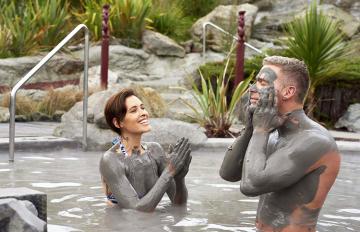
(42, 62)
(225, 32)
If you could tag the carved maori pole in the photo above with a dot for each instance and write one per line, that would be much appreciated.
(240, 51)
(105, 48)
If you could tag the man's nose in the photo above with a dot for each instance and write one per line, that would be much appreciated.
(253, 88)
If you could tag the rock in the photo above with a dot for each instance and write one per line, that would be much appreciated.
(128, 65)
(15, 216)
(153, 101)
(21, 118)
(167, 131)
(161, 45)
(38, 116)
(175, 71)
(60, 67)
(4, 114)
(355, 10)
(98, 139)
(351, 119)
(34, 94)
(30, 206)
(349, 25)
(188, 46)
(225, 17)
(97, 101)
(28, 197)
(269, 25)
(94, 75)
(343, 4)
(100, 136)
(57, 115)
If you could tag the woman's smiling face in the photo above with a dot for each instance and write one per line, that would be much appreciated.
(136, 120)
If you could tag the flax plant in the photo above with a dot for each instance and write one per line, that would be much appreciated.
(5, 41)
(128, 19)
(216, 113)
(169, 19)
(52, 21)
(315, 39)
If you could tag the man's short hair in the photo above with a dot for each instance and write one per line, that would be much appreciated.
(294, 70)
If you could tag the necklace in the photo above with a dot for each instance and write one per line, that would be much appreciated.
(122, 146)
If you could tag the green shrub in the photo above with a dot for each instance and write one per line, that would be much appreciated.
(21, 24)
(127, 19)
(197, 8)
(90, 13)
(315, 39)
(52, 21)
(169, 19)
(34, 25)
(217, 109)
(5, 41)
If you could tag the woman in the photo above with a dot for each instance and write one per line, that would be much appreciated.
(136, 175)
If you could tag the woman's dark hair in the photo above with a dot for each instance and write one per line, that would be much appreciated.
(115, 108)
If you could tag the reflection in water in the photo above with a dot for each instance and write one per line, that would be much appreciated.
(68, 214)
(355, 211)
(192, 222)
(229, 228)
(67, 197)
(76, 201)
(55, 185)
(37, 158)
(57, 228)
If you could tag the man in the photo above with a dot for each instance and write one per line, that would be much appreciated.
(283, 156)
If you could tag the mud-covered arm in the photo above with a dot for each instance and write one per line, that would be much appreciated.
(231, 167)
(177, 190)
(113, 172)
(282, 168)
(288, 164)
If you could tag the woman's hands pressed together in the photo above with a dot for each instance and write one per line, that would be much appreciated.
(179, 159)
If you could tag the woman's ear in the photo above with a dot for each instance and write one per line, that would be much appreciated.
(116, 123)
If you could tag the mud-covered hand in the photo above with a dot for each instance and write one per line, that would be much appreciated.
(246, 110)
(179, 156)
(266, 116)
(183, 172)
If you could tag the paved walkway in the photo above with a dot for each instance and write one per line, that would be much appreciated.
(39, 134)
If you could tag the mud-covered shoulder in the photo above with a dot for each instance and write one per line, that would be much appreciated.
(110, 160)
(310, 145)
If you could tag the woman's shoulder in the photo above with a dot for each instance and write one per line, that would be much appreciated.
(112, 153)
(110, 160)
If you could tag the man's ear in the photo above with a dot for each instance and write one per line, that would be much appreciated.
(117, 123)
(289, 92)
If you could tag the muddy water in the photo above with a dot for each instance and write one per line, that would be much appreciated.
(76, 202)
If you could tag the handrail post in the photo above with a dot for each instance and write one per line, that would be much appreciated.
(204, 39)
(225, 32)
(34, 70)
(105, 48)
(240, 51)
(85, 89)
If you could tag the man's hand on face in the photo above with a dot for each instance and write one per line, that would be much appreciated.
(246, 110)
(266, 117)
